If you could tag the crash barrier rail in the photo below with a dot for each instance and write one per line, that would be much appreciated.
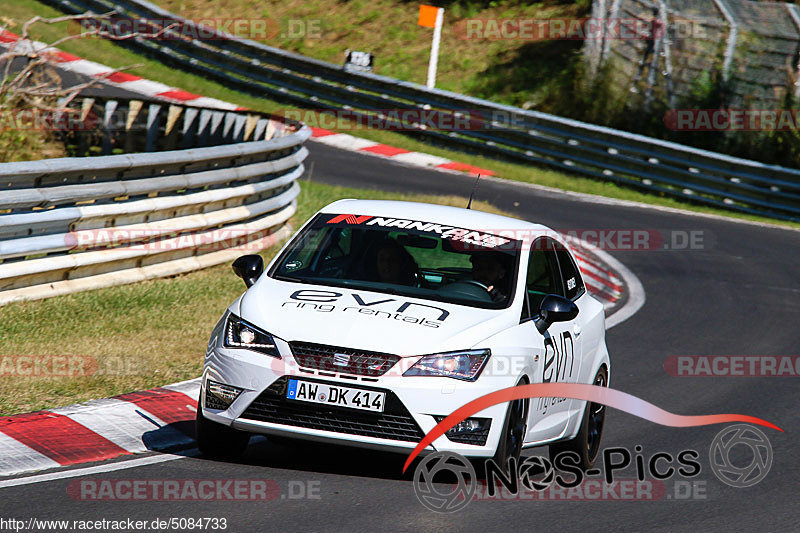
(506, 132)
(79, 223)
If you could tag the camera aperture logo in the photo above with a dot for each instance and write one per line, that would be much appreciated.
(440, 497)
(742, 436)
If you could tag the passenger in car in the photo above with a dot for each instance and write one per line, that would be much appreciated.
(392, 263)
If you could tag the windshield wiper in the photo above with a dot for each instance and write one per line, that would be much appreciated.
(291, 279)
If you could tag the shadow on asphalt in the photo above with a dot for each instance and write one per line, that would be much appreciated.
(305, 456)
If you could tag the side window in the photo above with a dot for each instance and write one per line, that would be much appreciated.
(543, 276)
(573, 283)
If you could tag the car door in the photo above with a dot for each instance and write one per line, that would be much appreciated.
(559, 349)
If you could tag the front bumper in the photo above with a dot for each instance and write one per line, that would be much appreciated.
(412, 403)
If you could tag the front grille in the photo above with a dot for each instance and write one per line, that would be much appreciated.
(394, 423)
(477, 438)
(358, 362)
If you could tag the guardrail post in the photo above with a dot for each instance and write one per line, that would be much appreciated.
(80, 132)
(152, 127)
(204, 128)
(217, 133)
(170, 131)
(189, 129)
(252, 121)
(108, 125)
(227, 130)
(240, 121)
(261, 128)
(272, 130)
(134, 107)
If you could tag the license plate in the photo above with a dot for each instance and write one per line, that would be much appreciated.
(335, 395)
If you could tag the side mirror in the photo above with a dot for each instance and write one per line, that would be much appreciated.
(249, 268)
(555, 308)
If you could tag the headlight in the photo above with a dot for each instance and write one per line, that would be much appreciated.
(241, 334)
(466, 365)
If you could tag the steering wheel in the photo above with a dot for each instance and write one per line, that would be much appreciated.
(476, 283)
(331, 271)
(468, 288)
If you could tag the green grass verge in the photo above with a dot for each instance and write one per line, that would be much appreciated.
(142, 335)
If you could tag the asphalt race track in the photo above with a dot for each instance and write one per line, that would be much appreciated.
(737, 294)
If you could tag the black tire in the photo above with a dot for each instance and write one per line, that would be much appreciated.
(513, 433)
(217, 440)
(586, 443)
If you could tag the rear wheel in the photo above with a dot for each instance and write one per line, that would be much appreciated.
(587, 442)
(217, 440)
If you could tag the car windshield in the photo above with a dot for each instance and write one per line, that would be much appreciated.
(404, 257)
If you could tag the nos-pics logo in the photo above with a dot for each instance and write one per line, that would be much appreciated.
(740, 456)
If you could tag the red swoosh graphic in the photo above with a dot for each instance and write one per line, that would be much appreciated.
(590, 393)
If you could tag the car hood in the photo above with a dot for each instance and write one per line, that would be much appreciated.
(367, 320)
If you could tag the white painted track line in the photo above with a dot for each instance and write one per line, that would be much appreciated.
(99, 469)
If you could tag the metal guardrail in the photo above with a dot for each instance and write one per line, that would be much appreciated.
(74, 224)
(507, 132)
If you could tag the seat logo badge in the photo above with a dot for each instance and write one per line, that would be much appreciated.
(341, 359)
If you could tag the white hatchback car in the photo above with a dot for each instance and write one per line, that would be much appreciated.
(380, 318)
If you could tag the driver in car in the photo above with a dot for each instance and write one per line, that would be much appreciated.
(489, 269)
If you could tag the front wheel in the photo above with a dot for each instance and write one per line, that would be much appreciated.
(587, 442)
(217, 440)
(513, 433)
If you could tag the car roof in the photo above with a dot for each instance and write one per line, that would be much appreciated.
(440, 214)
